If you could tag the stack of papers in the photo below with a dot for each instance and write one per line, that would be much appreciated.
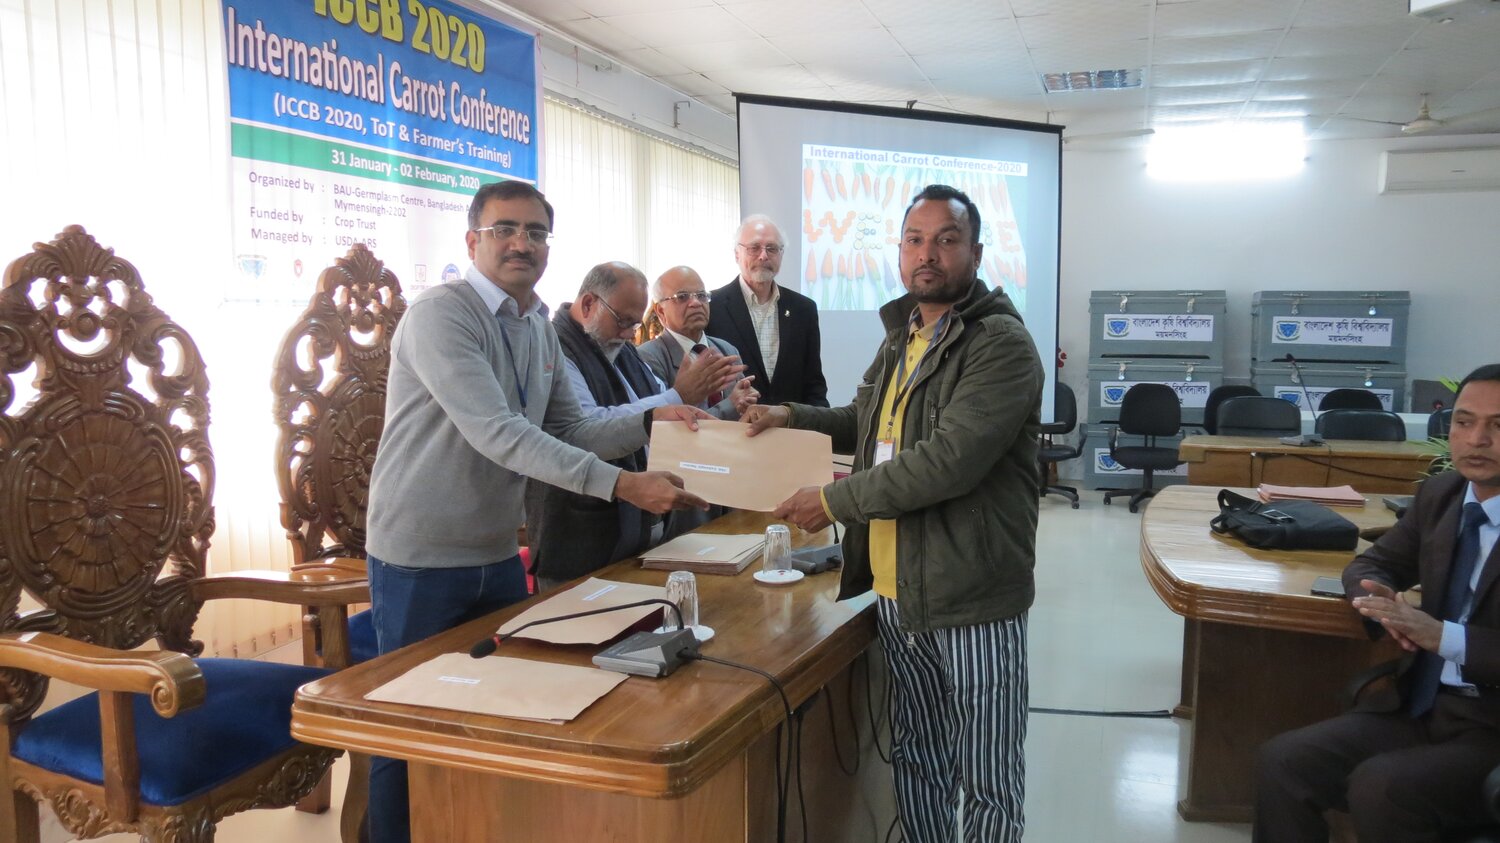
(1334, 496)
(703, 553)
(503, 687)
(591, 594)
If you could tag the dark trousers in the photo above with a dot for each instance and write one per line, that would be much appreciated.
(408, 605)
(1401, 779)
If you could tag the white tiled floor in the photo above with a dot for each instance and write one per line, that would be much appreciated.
(1100, 641)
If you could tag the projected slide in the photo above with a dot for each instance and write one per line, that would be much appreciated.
(852, 203)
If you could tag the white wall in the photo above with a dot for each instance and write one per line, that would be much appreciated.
(1326, 228)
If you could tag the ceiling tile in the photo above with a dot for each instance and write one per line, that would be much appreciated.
(1031, 8)
(1073, 102)
(1346, 40)
(1475, 30)
(1289, 108)
(1209, 18)
(652, 63)
(975, 66)
(1205, 73)
(1194, 113)
(1201, 94)
(1100, 121)
(1000, 36)
(1382, 107)
(751, 53)
(1319, 67)
(905, 12)
(605, 8)
(1105, 23)
(842, 73)
(995, 85)
(603, 36)
(788, 17)
(1306, 89)
(682, 26)
(722, 102)
(1468, 62)
(1250, 45)
(1352, 13)
(549, 10)
(788, 77)
(1124, 55)
(1031, 109)
(870, 46)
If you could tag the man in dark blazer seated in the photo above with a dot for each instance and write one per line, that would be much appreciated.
(775, 329)
(1415, 769)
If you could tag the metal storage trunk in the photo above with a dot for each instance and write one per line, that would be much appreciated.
(1277, 379)
(1348, 326)
(1156, 323)
(1101, 472)
(1192, 380)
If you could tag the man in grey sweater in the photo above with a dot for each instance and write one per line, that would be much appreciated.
(477, 402)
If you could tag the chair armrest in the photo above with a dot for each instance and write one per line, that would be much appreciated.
(1364, 679)
(342, 567)
(322, 586)
(1083, 436)
(172, 680)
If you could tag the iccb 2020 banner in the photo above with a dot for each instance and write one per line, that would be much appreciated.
(369, 121)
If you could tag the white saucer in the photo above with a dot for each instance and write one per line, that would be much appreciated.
(778, 577)
(700, 632)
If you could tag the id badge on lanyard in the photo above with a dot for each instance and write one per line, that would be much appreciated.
(884, 450)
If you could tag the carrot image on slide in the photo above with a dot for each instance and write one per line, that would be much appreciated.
(827, 182)
(828, 264)
(843, 186)
(890, 190)
(807, 184)
(812, 268)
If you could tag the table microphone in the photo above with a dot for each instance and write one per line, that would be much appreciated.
(1302, 439)
(643, 654)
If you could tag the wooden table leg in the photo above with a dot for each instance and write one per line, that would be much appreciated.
(1253, 684)
(1184, 707)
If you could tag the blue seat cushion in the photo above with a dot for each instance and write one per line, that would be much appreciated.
(245, 719)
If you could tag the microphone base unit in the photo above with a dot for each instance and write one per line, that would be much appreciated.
(1303, 440)
(654, 654)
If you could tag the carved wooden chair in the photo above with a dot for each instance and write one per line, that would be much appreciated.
(107, 482)
(329, 385)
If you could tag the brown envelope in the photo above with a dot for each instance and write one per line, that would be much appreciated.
(590, 594)
(707, 547)
(722, 465)
(500, 686)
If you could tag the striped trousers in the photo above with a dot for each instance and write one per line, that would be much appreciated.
(958, 724)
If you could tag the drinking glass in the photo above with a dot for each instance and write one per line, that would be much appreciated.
(682, 589)
(778, 553)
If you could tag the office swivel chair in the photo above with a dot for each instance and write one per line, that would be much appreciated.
(1151, 410)
(1439, 423)
(1257, 415)
(1350, 399)
(1371, 425)
(1049, 453)
(1215, 402)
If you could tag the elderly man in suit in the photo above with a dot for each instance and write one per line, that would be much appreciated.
(776, 329)
(1409, 773)
(682, 305)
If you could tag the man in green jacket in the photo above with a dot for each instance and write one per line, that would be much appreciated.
(942, 511)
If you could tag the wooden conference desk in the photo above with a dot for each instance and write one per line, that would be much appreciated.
(1260, 653)
(688, 758)
(1389, 467)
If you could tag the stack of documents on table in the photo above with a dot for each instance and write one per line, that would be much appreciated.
(503, 687)
(704, 553)
(590, 595)
(1334, 496)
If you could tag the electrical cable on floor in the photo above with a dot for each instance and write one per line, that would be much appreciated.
(1159, 714)
(833, 731)
(783, 768)
(892, 830)
(801, 797)
(885, 754)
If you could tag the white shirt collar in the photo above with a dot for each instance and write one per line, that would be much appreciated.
(752, 301)
(1491, 506)
(687, 344)
(496, 298)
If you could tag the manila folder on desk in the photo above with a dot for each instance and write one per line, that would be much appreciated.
(499, 686)
(722, 465)
(591, 594)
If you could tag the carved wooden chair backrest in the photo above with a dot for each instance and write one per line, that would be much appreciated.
(106, 476)
(329, 384)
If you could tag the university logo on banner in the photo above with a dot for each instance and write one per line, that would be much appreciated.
(369, 122)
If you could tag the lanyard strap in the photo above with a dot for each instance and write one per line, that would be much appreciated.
(905, 381)
(511, 355)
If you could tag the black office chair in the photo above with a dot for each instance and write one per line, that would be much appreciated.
(1257, 415)
(1215, 403)
(1350, 399)
(1372, 425)
(1151, 410)
(1439, 423)
(1050, 453)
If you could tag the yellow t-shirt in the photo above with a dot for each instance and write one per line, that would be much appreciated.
(888, 426)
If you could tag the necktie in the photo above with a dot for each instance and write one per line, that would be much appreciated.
(714, 399)
(1429, 667)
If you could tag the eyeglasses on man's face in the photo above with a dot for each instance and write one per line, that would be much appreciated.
(686, 296)
(623, 324)
(505, 231)
(768, 249)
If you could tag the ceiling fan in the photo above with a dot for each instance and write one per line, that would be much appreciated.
(1424, 122)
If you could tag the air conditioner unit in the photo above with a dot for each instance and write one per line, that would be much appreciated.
(1440, 169)
(1452, 9)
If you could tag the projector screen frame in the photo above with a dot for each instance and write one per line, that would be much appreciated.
(1050, 355)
